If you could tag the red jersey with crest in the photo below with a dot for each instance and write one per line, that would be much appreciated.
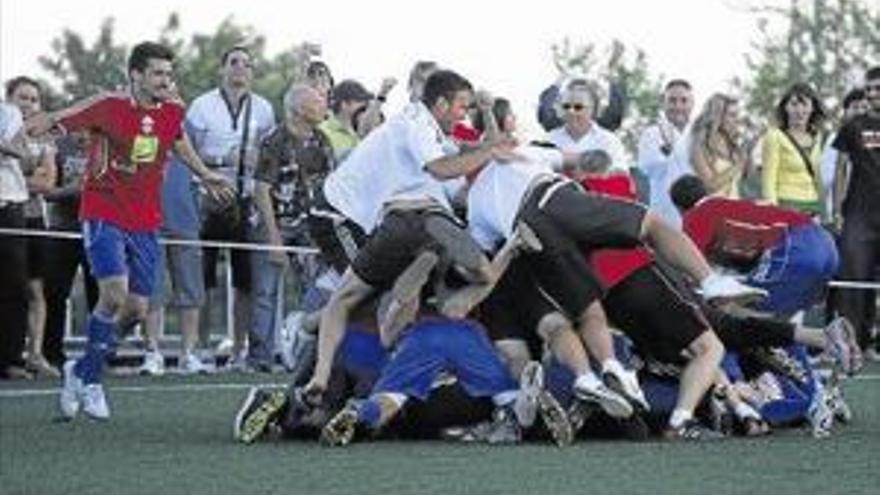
(127, 157)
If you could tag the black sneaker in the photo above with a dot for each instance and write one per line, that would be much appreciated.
(259, 410)
(339, 431)
(504, 428)
(691, 431)
(555, 419)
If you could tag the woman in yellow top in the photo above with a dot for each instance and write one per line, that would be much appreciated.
(792, 154)
(716, 155)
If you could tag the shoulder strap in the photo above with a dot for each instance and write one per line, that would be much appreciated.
(808, 163)
(242, 150)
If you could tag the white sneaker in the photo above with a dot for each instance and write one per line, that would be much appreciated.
(531, 382)
(837, 343)
(610, 401)
(94, 402)
(819, 414)
(190, 364)
(154, 364)
(626, 384)
(71, 390)
(717, 286)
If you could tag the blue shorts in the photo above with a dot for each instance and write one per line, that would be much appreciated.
(797, 270)
(432, 347)
(361, 357)
(113, 252)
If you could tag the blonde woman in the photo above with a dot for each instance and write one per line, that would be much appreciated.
(716, 155)
(792, 152)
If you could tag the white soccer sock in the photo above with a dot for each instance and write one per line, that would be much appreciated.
(679, 417)
(587, 380)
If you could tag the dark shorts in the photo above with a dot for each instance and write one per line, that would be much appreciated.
(401, 236)
(516, 306)
(338, 238)
(653, 307)
(220, 227)
(569, 222)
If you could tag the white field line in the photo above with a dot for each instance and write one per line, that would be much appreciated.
(183, 387)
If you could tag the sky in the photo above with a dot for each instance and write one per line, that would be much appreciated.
(502, 46)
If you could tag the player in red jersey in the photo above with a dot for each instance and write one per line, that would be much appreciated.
(132, 133)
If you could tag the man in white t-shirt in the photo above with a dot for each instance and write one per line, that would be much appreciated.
(581, 133)
(226, 126)
(658, 143)
(391, 185)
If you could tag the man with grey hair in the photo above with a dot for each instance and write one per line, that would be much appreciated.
(294, 160)
(581, 133)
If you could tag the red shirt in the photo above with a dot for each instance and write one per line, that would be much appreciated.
(611, 266)
(127, 157)
(727, 230)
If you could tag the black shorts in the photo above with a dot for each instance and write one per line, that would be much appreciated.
(516, 306)
(338, 238)
(218, 227)
(570, 222)
(400, 237)
(654, 308)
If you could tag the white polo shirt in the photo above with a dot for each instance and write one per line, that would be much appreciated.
(596, 138)
(498, 191)
(13, 187)
(389, 164)
(216, 133)
(659, 167)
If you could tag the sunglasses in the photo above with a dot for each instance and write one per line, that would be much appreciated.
(575, 107)
(872, 87)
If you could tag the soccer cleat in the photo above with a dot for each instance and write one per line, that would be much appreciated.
(837, 342)
(626, 384)
(718, 287)
(531, 383)
(339, 431)
(691, 430)
(190, 364)
(94, 402)
(259, 409)
(819, 415)
(578, 413)
(610, 401)
(71, 390)
(838, 405)
(555, 419)
(504, 428)
(153, 365)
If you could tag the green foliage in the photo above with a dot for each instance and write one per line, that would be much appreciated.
(619, 64)
(828, 43)
(85, 70)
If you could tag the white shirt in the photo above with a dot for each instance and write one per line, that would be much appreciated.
(216, 133)
(389, 164)
(13, 187)
(596, 138)
(828, 170)
(497, 193)
(659, 167)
